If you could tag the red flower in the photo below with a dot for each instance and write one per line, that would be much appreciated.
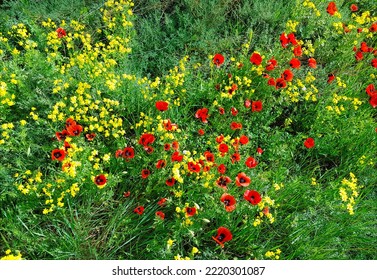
(61, 32)
(229, 202)
(252, 196)
(359, 55)
(218, 59)
(271, 82)
(61, 135)
(244, 139)
(209, 156)
(58, 154)
(175, 145)
(297, 51)
(190, 211)
(90, 136)
(170, 182)
(160, 214)
(223, 235)
(221, 111)
(259, 150)
(118, 153)
(251, 162)
(373, 27)
(331, 8)
(139, 210)
(145, 173)
(292, 39)
(330, 78)
(312, 63)
(176, 156)
(233, 89)
(256, 106)
(242, 180)
(126, 194)
(161, 164)
(234, 126)
(202, 114)
(247, 103)
(148, 149)
(271, 64)
(167, 147)
(295, 63)
(221, 168)
(223, 181)
(371, 90)
(309, 143)
(374, 62)
(162, 202)
(256, 58)
(146, 139)
(234, 111)
(235, 157)
(223, 148)
(220, 138)
(287, 75)
(100, 180)
(69, 122)
(128, 153)
(162, 105)
(284, 40)
(354, 8)
(74, 130)
(193, 167)
(201, 132)
(280, 83)
(373, 101)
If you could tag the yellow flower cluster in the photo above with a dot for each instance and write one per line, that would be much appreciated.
(28, 183)
(297, 89)
(338, 108)
(349, 192)
(9, 256)
(5, 96)
(273, 254)
(265, 207)
(291, 26)
(312, 6)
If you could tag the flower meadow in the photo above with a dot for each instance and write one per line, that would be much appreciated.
(263, 152)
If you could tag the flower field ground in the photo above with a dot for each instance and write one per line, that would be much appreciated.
(188, 129)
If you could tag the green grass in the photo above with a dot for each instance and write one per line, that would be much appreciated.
(310, 220)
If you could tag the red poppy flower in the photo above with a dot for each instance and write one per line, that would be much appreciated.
(139, 210)
(244, 139)
(100, 180)
(229, 202)
(297, 51)
(252, 196)
(90, 136)
(221, 168)
(330, 78)
(221, 111)
(280, 83)
(148, 149)
(223, 235)
(128, 153)
(271, 82)
(292, 39)
(209, 156)
(126, 194)
(168, 125)
(161, 164)
(69, 122)
(256, 58)
(284, 40)
(234, 111)
(223, 181)
(256, 106)
(373, 101)
(233, 89)
(201, 132)
(67, 145)
(146, 139)
(309, 143)
(145, 173)
(58, 154)
(61, 32)
(62, 135)
(251, 162)
(167, 147)
(373, 27)
(218, 59)
(359, 55)
(371, 90)
(176, 157)
(170, 182)
(235, 157)
(247, 103)
(202, 114)
(374, 62)
(175, 145)
(312, 63)
(193, 167)
(220, 138)
(74, 130)
(259, 150)
(162, 105)
(118, 153)
(295, 63)
(354, 8)
(190, 211)
(331, 8)
(223, 148)
(271, 64)
(235, 125)
(242, 180)
(162, 202)
(287, 75)
(160, 214)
